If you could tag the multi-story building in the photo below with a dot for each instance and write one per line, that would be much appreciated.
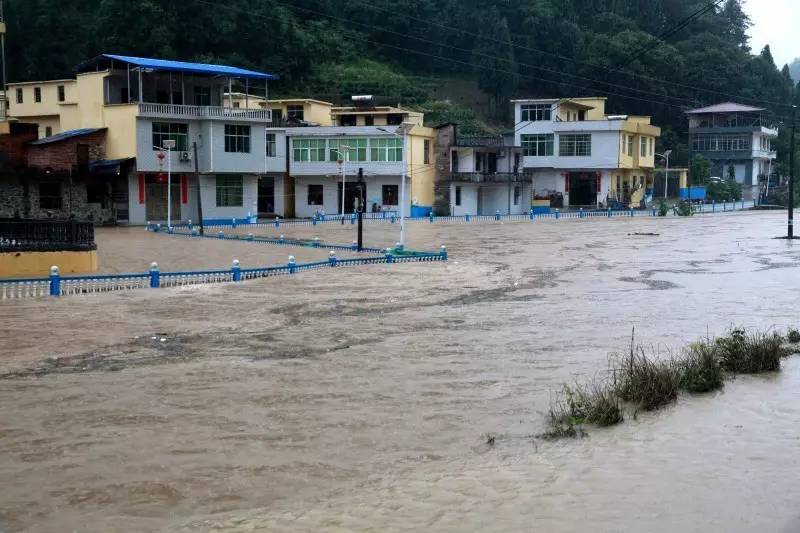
(737, 136)
(485, 176)
(577, 155)
(42, 103)
(379, 141)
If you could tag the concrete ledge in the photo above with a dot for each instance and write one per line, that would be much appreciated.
(37, 264)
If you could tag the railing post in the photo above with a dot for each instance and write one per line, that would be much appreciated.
(393, 217)
(443, 252)
(352, 218)
(631, 212)
(497, 215)
(531, 213)
(332, 258)
(313, 221)
(430, 217)
(236, 271)
(292, 265)
(233, 222)
(250, 237)
(558, 214)
(389, 258)
(190, 224)
(316, 242)
(147, 226)
(277, 222)
(155, 276)
(354, 246)
(195, 232)
(55, 281)
(221, 235)
(609, 212)
(281, 239)
(581, 214)
(713, 206)
(466, 217)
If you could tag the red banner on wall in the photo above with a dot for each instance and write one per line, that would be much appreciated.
(599, 178)
(566, 182)
(141, 188)
(184, 189)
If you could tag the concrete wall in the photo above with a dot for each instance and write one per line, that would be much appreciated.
(469, 199)
(37, 264)
(330, 192)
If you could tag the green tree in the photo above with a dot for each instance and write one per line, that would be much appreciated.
(494, 61)
(699, 170)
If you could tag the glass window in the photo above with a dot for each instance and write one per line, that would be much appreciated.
(230, 191)
(357, 149)
(537, 145)
(390, 195)
(643, 147)
(271, 148)
(179, 133)
(458, 195)
(37, 94)
(237, 138)
(652, 147)
(295, 112)
(575, 145)
(50, 195)
(19, 96)
(386, 149)
(308, 150)
(61, 93)
(48, 131)
(535, 112)
(202, 96)
(629, 145)
(427, 152)
(517, 194)
(315, 195)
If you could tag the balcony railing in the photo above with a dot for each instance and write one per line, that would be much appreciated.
(203, 112)
(46, 236)
(487, 177)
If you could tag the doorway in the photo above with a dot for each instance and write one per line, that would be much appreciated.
(582, 189)
(266, 195)
(351, 194)
(156, 198)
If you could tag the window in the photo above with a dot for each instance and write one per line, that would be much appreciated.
(643, 143)
(347, 120)
(61, 93)
(48, 131)
(387, 149)
(390, 195)
(629, 145)
(295, 112)
(721, 143)
(19, 96)
(537, 145)
(426, 156)
(230, 191)
(369, 120)
(179, 133)
(535, 112)
(652, 147)
(575, 145)
(96, 192)
(517, 194)
(315, 195)
(237, 105)
(37, 95)
(458, 195)
(237, 138)
(271, 148)
(308, 150)
(394, 120)
(50, 195)
(357, 149)
(202, 96)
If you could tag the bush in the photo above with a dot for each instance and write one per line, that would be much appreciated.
(750, 353)
(684, 209)
(700, 370)
(793, 336)
(593, 404)
(663, 208)
(648, 383)
(441, 207)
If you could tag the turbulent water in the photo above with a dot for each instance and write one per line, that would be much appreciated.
(360, 399)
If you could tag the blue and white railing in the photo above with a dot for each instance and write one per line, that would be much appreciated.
(57, 285)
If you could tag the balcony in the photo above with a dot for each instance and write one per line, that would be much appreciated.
(487, 177)
(204, 112)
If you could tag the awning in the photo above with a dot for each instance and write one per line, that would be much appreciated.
(107, 167)
(176, 66)
(64, 135)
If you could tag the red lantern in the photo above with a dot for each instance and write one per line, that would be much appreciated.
(566, 181)
(161, 177)
(161, 156)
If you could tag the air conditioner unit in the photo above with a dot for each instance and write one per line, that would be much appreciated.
(186, 156)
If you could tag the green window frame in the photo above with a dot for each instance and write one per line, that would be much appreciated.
(575, 145)
(308, 150)
(539, 145)
(357, 149)
(163, 131)
(230, 190)
(389, 150)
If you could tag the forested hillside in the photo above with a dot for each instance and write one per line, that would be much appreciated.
(654, 57)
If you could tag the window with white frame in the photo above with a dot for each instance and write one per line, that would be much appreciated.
(295, 112)
(308, 150)
(386, 149)
(356, 149)
(271, 148)
(575, 145)
(171, 131)
(230, 190)
(537, 145)
(652, 147)
(535, 112)
(643, 146)
(237, 138)
(19, 95)
(629, 145)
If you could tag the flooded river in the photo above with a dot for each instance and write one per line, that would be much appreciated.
(359, 399)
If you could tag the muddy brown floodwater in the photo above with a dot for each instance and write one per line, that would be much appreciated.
(357, 399)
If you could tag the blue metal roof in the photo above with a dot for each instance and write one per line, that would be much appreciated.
(196, 68)
(64, 135)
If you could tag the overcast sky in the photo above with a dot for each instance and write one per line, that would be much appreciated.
(775, 22)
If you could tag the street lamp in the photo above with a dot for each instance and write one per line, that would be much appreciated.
(343, 157)
(168, 146)
(666, 155)
(403, 180)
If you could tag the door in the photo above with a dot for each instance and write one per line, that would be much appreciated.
(266, 195)
(582, 189)
(156, 199)
(491, 163)
(351, 194)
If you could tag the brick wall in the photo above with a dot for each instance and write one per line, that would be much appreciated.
(62, 156)
(13, 145)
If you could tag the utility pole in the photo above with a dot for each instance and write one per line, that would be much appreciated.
(792, 149)
(361, 206)
(199, 192)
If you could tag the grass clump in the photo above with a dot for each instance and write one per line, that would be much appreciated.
(647, 383)
(594, 404)
(700, 369)
(793, 336)
(741, 352)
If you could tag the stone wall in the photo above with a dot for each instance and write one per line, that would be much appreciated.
(19, 197)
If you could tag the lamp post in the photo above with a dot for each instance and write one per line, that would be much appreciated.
(168, 145)
(343, 157)
(402, 181)
(666, 155)
(792, 148)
